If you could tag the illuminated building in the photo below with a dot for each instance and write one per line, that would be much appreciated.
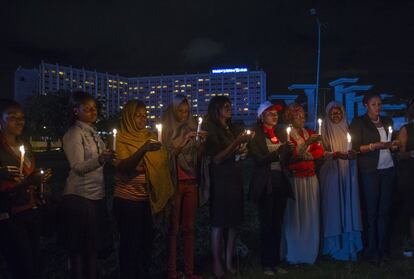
(246, 89)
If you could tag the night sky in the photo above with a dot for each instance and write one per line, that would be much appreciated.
(370, 39)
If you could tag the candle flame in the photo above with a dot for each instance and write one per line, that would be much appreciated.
(21, 148)
(390, 129)
(200, 120)
(42, 172)
(159, 127)
(319, 121)
(248, 132)
(348, 136)
(114, 131)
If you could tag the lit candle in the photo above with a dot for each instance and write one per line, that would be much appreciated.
(243, 146)
(320, 126)
(114, 132)
(288, 130)
(22, 151)
(200, 120)
(159, 130)
(41, 181)
(349, 145)
(389, 133)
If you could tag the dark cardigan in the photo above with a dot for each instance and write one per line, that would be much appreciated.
(363, 132)
(261, 177)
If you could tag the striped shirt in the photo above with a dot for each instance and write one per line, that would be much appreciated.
(131, 188)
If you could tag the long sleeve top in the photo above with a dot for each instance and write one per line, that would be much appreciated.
(82, 146)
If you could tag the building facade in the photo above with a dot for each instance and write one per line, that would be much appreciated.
(246, 89)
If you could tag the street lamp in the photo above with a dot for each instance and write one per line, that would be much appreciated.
(318, 60)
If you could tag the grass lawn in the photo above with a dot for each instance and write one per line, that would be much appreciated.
(55, 260)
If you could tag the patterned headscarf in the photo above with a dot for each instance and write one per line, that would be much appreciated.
(172, 135)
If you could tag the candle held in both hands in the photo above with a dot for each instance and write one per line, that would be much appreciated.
(159, 131)
(200, 120)
(349, 142)
(389, 133)
(114, 132)
(22, 152)
(288, 130)
(319, 126)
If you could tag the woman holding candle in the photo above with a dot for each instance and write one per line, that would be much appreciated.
(269, 187)
(226, 192)
(179, 137)
(301, 226)
(84, 227)
(142, 187)
(406, 170)
(19, 196)
(341, 216)
(376, 169)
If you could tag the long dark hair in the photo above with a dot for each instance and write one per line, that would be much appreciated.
(214, 107)
(77, 99)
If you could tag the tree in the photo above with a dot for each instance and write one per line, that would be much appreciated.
(48, 115)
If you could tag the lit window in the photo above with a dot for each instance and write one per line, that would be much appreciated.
(200, 79)
(61, 73)
(200, 90)
(245, 109)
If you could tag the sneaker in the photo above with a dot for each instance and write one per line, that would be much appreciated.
(280, 270)
(268, 271)
(408, 249)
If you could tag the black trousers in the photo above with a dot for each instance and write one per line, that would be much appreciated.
(20, 242)
(271, 208)
(135, 227)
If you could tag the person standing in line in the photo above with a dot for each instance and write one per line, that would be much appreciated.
(20, 220)
(142, 188)
(84, 229)
(226, 190)
(269, 187)
(376, 167)
(301, 220)
(341, 213)
(179, 136)
(406, 171)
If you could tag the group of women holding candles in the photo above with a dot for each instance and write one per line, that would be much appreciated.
(300, 179)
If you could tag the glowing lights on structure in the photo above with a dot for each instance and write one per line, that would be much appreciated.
(230, 70)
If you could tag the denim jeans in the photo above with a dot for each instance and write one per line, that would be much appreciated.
(378, 188)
